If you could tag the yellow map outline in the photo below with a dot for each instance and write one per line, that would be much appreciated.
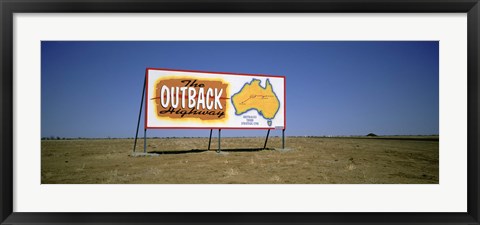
(252, 96)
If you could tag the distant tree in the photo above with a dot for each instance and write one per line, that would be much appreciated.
(371, 135)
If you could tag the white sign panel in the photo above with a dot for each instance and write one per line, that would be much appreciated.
(213, 100)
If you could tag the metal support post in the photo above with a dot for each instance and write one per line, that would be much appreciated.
(266, 139)
(218, 150)
(283, 138)
(210, 139)
(140, 113)
(145, 141)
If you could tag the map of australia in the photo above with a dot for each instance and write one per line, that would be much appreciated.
(252, 96)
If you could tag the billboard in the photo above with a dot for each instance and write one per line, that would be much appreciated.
(213, 100)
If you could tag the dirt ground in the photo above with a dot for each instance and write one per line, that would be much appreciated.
(314, 160)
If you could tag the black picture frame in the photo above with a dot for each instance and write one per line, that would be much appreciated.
(9, 7)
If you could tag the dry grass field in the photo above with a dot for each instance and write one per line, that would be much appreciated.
(398, 160)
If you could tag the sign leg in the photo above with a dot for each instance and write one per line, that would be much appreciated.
(266, 139)
(140, 113)
(210, 139)
(218, 150)
(283, 138)
(145, 141)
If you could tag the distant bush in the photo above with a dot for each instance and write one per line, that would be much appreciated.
(371, 135)
(54, 138)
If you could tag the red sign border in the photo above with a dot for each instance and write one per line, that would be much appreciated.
(225, 73)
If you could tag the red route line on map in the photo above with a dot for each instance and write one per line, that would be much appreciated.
(255, 96)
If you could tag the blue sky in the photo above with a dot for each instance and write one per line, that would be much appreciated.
(93, 88)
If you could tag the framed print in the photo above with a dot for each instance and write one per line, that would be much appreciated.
(167, 112)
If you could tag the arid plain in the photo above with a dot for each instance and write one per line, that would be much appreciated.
(306, 160)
